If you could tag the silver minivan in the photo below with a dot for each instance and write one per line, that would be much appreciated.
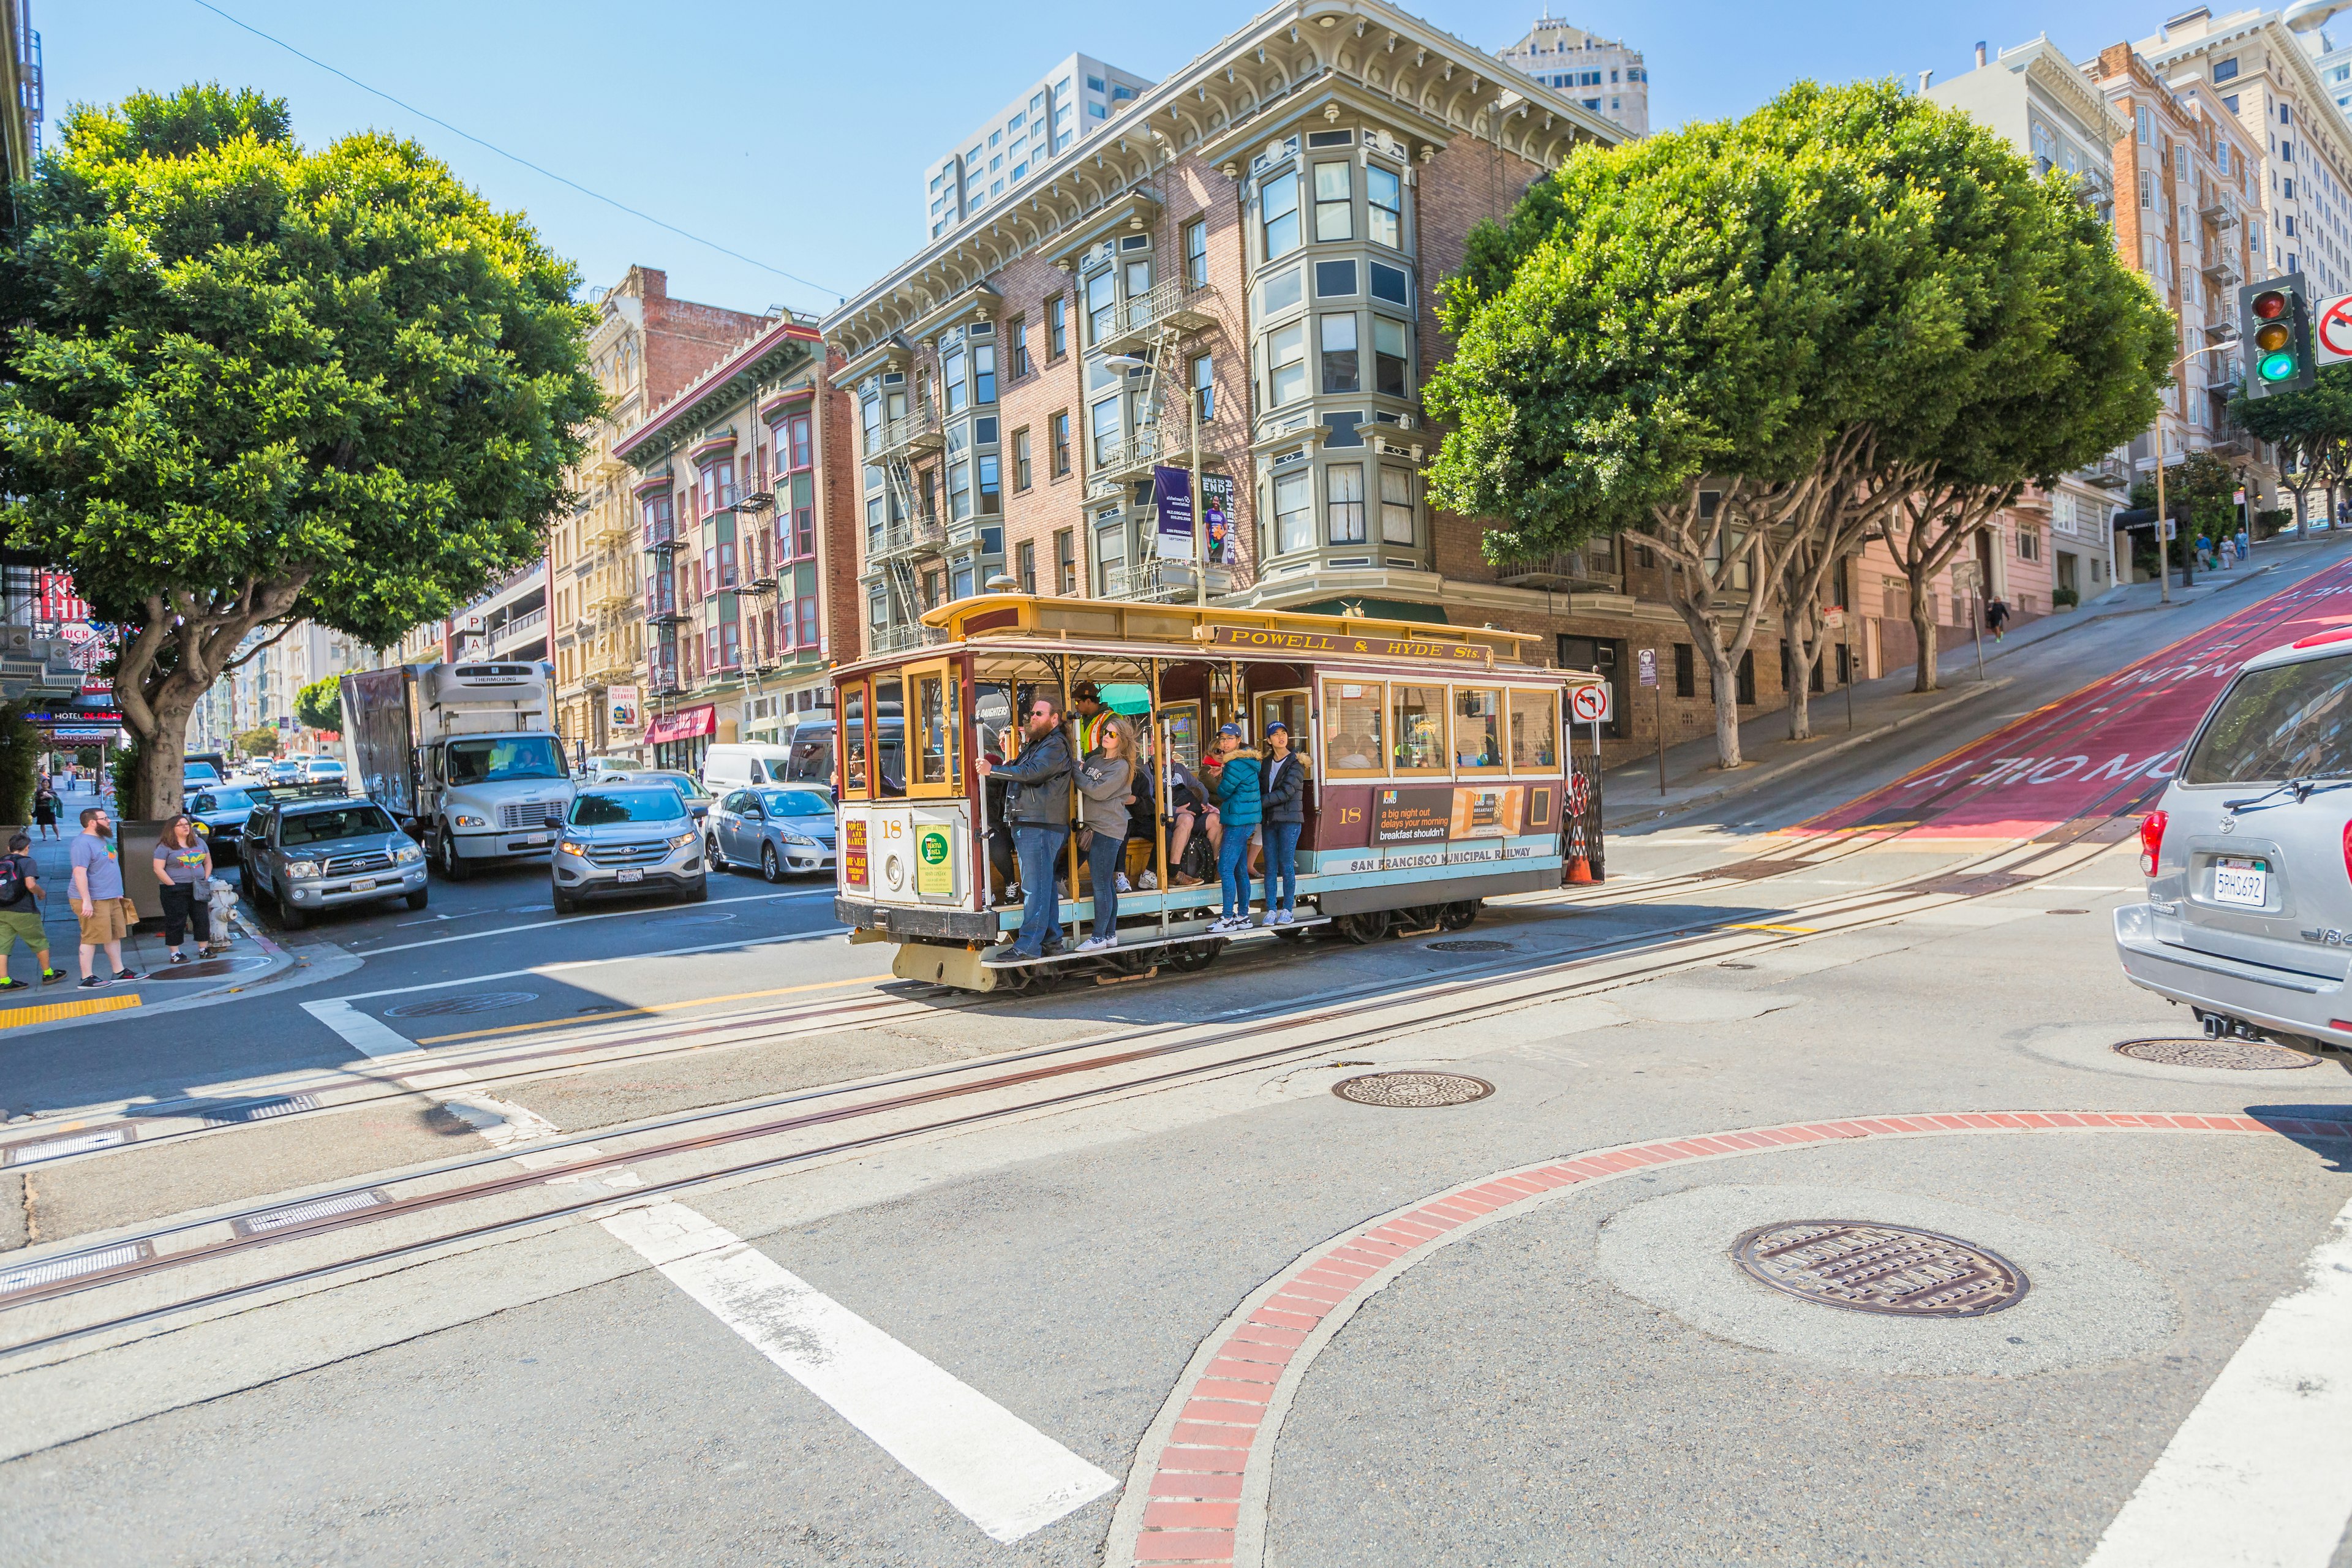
(2248, 857)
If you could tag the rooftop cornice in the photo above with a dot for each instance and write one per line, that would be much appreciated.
(2055, 73)
(789, 334)
(1372, 44)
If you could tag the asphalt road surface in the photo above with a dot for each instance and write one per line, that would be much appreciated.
(774, 1261)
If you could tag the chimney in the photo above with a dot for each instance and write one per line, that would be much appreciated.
(1980, 52)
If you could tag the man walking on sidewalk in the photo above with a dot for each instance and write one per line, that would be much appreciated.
(20, 915)
(97, 897)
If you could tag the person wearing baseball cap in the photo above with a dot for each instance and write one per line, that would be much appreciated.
(1086, 708)
(1240, 804)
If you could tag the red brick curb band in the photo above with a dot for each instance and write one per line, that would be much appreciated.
(1196, 1493)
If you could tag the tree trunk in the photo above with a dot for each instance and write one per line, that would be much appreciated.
(1922, 625)
(1802, 651)
(161, 750)
(1724, 676)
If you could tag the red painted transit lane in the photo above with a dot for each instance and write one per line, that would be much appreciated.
(2103, 751)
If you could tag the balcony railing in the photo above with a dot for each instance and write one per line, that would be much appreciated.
(907, 538)
(661, 536)
(1162, 582)
(1121, 462)
(917, 430)
(519, 625)
(2221, 269)
(2110, 470)
(1172, 303)
(1560, 568)
(898, 637)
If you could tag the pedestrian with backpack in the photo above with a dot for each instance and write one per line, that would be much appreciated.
(20, 914)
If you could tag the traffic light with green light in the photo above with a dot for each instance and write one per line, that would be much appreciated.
(2274, 334)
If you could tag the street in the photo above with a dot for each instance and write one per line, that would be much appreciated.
(682, 1231)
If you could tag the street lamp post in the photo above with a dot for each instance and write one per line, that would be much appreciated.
(2163, 554)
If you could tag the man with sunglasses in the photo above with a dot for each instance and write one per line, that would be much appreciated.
(1038, 810)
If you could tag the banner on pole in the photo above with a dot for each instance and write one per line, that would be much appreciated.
(1172, 489)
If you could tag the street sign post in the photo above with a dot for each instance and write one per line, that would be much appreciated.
(1646, 661)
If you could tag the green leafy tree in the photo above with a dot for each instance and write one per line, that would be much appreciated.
(319, 705)
(2197, 495)
(249, 383)
(2312, 430)
(260, 742)
(1738, 343)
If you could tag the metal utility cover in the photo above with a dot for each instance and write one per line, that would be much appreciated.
(1413, 1090)
(1885, 1268)
(2234, 1055)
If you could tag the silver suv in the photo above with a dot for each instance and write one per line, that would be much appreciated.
(313, 855)
(625, 838)
(2249, 856)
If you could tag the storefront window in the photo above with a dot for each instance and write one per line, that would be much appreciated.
(1352, 727)
(1417, 719)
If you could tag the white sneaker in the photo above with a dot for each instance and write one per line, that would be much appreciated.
(1150, 881)
(1272, 918)
(1282, 918)
(1119, 881)
(1232, 922)
(1097, 943)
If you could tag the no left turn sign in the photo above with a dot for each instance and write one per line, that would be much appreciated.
(1589, 704)
(2332, 338)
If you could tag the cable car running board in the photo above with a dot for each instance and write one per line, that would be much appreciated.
(991, 959)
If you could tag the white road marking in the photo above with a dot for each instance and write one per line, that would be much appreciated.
(571, 920)
(501, 1122)
(2258, 1473)
(993, 1468)
(748, 943)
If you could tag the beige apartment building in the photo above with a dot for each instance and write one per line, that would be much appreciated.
(1604, 75)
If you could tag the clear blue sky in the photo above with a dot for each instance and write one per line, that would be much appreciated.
(797, 133)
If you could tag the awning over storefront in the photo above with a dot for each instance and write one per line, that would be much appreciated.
(686, 724)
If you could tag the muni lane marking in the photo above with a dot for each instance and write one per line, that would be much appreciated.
(584, 919)
(991, 1467)
(2257, 1474)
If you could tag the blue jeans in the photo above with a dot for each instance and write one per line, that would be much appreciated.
(1232, 863)
(1104, 852)
(1039, 850)
(1282, 862)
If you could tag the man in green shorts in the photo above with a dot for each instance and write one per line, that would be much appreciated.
(20, 915)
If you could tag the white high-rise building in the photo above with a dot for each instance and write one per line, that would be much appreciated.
(1602, 74)
(1065, 106)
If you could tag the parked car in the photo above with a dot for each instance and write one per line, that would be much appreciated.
(306, 856)
(698, 799)
(729, 766)
(285, 770)
(625, 838)
(2248, 857)
(197, 772)
(220, 813)
(778, 830)
(322, 770)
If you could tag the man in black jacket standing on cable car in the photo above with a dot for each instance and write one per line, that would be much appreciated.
(1038, 810)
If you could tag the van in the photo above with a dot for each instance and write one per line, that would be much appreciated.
(732, 766)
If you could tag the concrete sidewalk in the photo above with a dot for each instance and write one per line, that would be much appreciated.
(1631, 798)
(252, 957)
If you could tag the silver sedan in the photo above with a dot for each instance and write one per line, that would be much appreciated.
(779, 830)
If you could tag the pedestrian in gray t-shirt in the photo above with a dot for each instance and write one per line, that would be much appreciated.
(97, 897)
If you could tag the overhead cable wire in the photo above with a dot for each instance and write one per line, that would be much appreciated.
(512, 157)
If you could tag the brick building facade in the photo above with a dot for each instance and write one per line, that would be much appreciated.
(644, 349)
(746, 555)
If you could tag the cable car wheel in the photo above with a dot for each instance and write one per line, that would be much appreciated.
(1459, 916)
(1187, 957)
(1364, 928)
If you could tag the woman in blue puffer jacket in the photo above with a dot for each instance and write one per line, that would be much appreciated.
(1241, 806)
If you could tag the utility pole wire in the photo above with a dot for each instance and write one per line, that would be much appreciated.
(512, 157)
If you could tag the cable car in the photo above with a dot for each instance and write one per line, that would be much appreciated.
(1439, 775)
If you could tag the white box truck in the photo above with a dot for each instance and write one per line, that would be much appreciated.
(464, 754)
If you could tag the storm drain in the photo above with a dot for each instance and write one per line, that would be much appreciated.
(303, 1214)
(1413, 1090)
(479, 1002)
(236, 1113)
(2236, 1056)
(59, 1148)
(1472, 945)
(32, 1276)
(1880, 1268)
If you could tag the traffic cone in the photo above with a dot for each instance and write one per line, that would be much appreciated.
(1579, 868)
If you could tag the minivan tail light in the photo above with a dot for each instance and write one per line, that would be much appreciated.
(2151, 841)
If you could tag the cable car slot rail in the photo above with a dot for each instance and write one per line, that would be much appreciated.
(1522, 988)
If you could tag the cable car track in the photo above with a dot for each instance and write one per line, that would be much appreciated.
(1454, 1000)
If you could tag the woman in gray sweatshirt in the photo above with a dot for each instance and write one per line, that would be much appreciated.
(1103, 780)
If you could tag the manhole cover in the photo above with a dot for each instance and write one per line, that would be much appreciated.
(1473, 945)
(1413, 1090)
(1880, 1268)
(2239, 1056)
(479, 1002)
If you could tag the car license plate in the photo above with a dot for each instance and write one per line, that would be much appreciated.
(633, 874)
(536, 837)
(362, 885)
(2241, 883)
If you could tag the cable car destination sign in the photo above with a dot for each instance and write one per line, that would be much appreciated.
(1342, 645)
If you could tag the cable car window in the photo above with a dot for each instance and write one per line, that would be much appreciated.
(852, 741)
(1478, 729)
(1353, 727)
(1417, 719)
(1535, 731)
